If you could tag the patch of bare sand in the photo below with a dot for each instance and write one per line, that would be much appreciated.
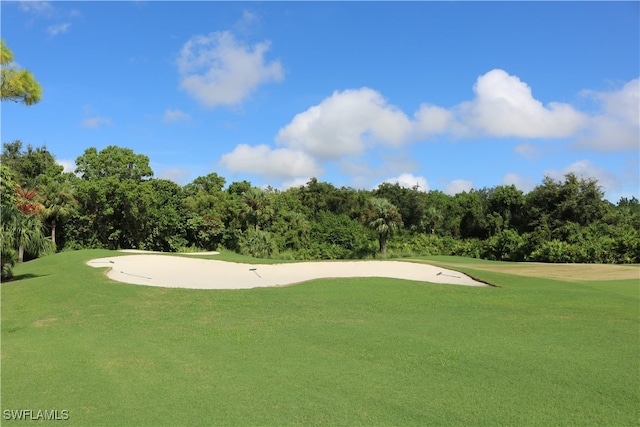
(194, 273)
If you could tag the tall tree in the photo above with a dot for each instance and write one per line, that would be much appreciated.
(210, 184)
(113, 161)
(113, 205)
(555, 203)
(17, 85)
(507, 202)
(430, 219)
(411, 202)
(256, 207)
(58, 203)
(473, 222)
(31, 166)
(164, 217)
(385, 219)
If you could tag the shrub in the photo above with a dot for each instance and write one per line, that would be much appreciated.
(507, 245)
(8, 259)
(555, 251)
(257, 244)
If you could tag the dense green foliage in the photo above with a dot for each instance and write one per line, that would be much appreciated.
(113, 201)
(375, 352)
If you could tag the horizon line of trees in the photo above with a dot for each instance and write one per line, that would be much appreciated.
(113, 201)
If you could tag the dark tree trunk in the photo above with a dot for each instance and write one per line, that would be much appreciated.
(383, 245)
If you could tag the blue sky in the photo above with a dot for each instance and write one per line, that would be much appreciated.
(448, 95)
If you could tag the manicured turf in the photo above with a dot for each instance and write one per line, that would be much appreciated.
(328, 352)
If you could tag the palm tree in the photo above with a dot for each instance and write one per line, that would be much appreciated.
(385, 219)
(24, 232)
(298, 229)
(57, 204)
(431, 217)
(256, 207)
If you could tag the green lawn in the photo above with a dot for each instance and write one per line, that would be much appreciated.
(532, 351)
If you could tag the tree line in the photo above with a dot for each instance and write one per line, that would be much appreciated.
(113, 201)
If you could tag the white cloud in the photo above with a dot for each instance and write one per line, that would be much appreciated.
(585, 169)
(457, 186)
(246, 23)
(69, 165)
(95, 122)
(345, 127)
(351, 121)
(171, 116)
(528, 151)
(505, 107)
(521, 183)
(54, 30)
(282, 163)
(431, 119)
(295, 182)
(408, 180)
(36, 7)
(618, 127)
(345, 124)
(219, 70)
(177, 175)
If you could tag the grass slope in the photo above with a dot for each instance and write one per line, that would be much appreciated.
(327, 352)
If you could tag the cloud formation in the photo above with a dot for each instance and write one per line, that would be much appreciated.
(617, 127)
(346, 123)
(528, 151)
(95, 122)
(282, 163)
(177, 175)
(54, 30)
(585, 169)
(351, 124)
(43, 8)
(218, 70)
(458, 186)
(504, 106)
(171, 116)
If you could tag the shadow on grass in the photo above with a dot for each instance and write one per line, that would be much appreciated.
(26, 276)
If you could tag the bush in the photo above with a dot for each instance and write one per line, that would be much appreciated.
(626, 245)
(507, 245)
(257, 244)
(556, 251)
(9, 257)
(286, 256)
(339, 237)
(470, 248)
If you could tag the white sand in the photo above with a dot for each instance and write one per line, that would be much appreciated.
(179, 272)
(140, 251)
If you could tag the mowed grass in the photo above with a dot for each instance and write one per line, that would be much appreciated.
(531, 351)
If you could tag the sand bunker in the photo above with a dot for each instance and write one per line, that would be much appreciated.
(140, 251)
(179, 272)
